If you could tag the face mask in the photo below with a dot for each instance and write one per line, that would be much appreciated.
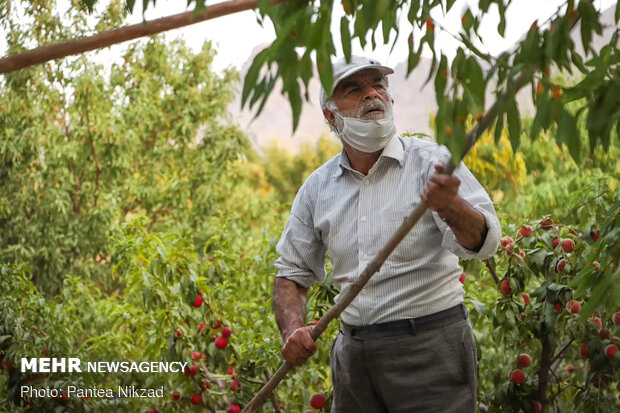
(367, 135)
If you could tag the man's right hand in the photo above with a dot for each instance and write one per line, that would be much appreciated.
(298, 346)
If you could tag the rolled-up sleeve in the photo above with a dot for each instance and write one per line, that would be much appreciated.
(474, 194)
(302, 253)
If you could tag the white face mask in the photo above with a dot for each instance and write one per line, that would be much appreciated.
(367, 135)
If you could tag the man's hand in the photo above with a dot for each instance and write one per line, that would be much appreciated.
(298, 346)
(467, 224)
(441, 192)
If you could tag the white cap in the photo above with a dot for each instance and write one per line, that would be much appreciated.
(343, 69)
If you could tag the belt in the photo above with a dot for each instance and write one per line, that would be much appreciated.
(407, 326)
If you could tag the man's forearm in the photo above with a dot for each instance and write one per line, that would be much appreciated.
(468, 225)
(289, 306)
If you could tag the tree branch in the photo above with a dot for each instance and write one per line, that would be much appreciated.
(491, 269)
(57, 51)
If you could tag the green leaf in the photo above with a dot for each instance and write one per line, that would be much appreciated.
(441, 78)
(501, 27)
(252, 75)
(499, 126)
(478, 306)
(541, 120)
(345, 37)
(514, 124)
(324, 67)
(568, 134)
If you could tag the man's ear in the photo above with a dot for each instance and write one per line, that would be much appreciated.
(329, 116)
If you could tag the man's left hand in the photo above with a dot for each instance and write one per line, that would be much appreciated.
(441, 191)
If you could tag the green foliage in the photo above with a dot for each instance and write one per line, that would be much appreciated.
(90, 149)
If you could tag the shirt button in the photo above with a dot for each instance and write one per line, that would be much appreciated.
(363, 291)
(365, 257)
(366, 182)
(363, 219)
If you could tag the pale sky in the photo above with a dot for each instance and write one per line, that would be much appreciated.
(235, 36)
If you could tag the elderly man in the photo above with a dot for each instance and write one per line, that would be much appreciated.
(406, 343)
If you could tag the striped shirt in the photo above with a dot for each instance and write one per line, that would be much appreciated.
(351, 216)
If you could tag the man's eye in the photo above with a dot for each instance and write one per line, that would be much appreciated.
(379, 86)
(353, 89)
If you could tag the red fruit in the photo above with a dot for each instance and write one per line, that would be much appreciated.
(526, 298)
(221, 342)
(570, 369)
(526, 231)
(176, 395)
(605, 334)
(616, 318)
(524, 360)
(537, 406)
(152, 410)
(506, 241)
(568, 245)
(598, 380)
(198, 301)
(309, 411)
(597, 265)
(509, 249)
(231, 371)
(196, 355)
(583, 350)
(517, 376)
(522, 254)
(595, 235)
(555, 243)
(201, 326)
(196, 398)
(10, 366)
(205, 385)
(226, 332)
(596, 321)
(546, 224)
(462, 278)
(573, 306)
(611, 350)
(558, 307)
(234, 385)
(561, 264)
(233, 408)
(218, 323)
(505, 287)
(190, 371)
(615, 340)
(178, 332)
(214, 336)
(317, 400)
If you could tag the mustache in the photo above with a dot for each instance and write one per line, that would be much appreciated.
(365, 108)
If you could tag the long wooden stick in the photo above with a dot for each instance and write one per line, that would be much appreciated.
(56, 51)
(375, 264)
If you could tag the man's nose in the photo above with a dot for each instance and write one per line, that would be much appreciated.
(370, 92)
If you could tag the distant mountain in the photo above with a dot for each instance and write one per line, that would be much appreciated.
(414, 102)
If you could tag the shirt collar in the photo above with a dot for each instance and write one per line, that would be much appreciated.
(394, 150)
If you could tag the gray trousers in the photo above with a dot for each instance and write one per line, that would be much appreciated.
(433, 370)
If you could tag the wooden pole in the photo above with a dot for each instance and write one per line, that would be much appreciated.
(57, 51)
